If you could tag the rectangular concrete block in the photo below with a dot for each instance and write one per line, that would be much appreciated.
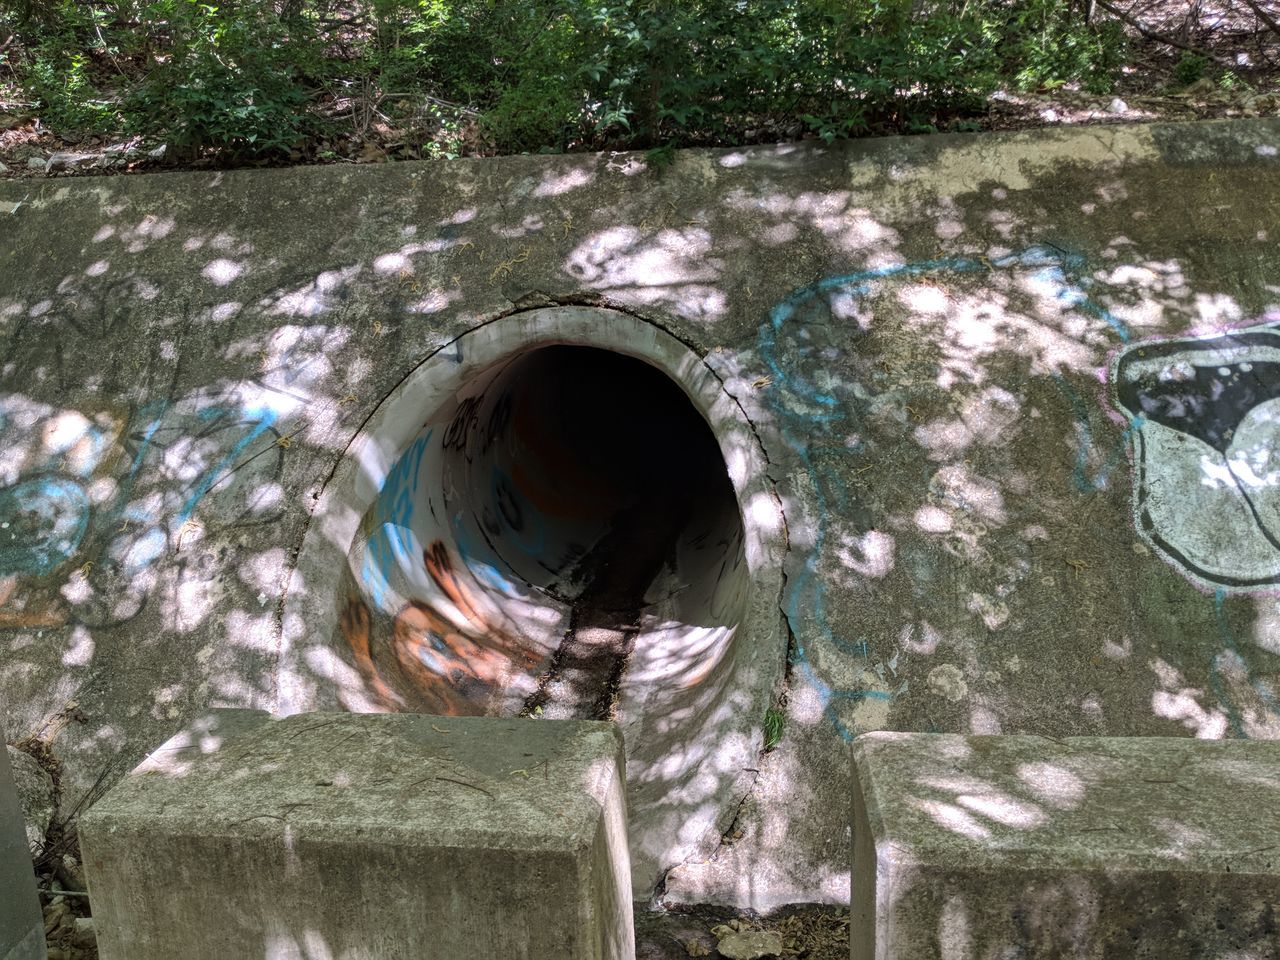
(21, 923)
(366, 837)
(1029, 847)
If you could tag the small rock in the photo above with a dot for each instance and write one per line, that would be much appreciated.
(35, 795)
(1117, 106)
(1202, 86)
(70, 161)
(36, 163)
(751, 945)
(3, 169)
(1049, 115)
(70, 873)
(158, 152)
(83, 934)
(66, 923)
(54, 914)
(696, 948)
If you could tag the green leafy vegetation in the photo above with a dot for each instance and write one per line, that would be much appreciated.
(1190, 68)
(307, 78)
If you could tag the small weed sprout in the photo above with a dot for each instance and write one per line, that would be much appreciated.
(773, 722)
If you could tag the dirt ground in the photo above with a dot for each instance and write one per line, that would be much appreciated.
(808, 932)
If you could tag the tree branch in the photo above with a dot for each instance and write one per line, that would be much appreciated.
(1265, 17)
(1150, 34)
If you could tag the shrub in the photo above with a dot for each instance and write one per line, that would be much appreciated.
(1189, 69)
(251, 76)
(231, 77)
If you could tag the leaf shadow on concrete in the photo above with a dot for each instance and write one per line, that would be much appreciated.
(978, 846)
(920, 340)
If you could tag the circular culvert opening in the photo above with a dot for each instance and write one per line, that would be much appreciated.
(565, 508)
(560, 515)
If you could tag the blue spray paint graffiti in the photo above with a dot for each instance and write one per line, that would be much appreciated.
(805, 409)
(48, 519)
(43, 522)
(1080, 477)
(257, 423)
(390, 542)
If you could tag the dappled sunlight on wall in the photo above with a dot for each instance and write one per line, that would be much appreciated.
(918, 340)
(979, 847)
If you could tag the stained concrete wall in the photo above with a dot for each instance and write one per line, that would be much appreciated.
(935, 342)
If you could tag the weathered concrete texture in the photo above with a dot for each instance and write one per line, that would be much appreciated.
(977, 847)
(366, 837)
(21, 925)
(36, 795)
(924, 336)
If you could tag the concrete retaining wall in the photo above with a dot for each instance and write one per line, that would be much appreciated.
(924, 338)
(21, 923)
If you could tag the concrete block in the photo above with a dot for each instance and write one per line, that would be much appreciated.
(21, 923)
(366, 837)
(1090, 847)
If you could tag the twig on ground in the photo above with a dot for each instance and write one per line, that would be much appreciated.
(463, 783)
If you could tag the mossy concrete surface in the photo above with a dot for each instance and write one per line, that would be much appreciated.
(939, 343)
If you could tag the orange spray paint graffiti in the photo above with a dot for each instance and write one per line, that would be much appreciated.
(440, 666)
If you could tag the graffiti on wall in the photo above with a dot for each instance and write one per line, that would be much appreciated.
(389, 542)
(1204, 417)
(1201, 417)
(426, 660)
(95, 503)
(444, 652)
(817, 416)
(92, 496)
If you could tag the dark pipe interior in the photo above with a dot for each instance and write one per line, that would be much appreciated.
(639, 448)
(564, 509)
